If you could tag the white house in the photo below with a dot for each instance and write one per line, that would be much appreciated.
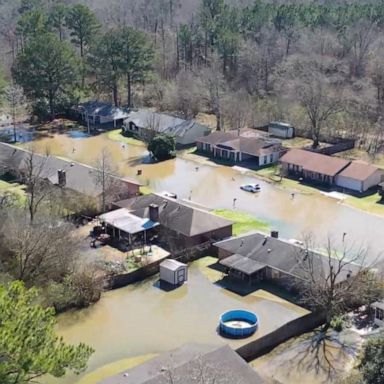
(173, 272)
(378, 312)
(359, 176)
(143, 123)
(282, 130)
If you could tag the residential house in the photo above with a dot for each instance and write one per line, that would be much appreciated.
(381, 190)
(144, 123)
(378, 312)
(181, 225)
(313, 166)
(66, 174)
(257, 256)
(359, 176)
(281, 130)
(218, 364)
(355, 176)
(99, 113)
(241, 145)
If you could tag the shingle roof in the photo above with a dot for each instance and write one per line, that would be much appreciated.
(315, 162)
(163, 123)
(79, 177)
(244, 140)
(99, 108)
(359, 170)
(278, 254)
(220, 365)
(175, 214)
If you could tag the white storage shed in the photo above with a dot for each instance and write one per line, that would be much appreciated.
(282, 130)
(173, 272)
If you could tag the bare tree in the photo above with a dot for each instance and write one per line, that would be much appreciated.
(33, 173)
(105, 178)
(36, 252)
(214, 91)
(15, 97)
(237, 109)
(336, 281)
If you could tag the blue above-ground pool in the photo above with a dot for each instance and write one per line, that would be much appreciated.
(238, 323)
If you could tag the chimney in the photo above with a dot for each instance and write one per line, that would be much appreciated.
(275, 234)
(153, 212)
(62, 178)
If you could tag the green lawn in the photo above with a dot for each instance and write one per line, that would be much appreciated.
(18, 190)
(243, 222)
(117, 136)
(370, 204)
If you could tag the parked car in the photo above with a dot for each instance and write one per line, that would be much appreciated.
(253, 188)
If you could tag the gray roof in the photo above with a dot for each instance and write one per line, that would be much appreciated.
(378, 304)
(163, 123)
(126, 222)
(98, 108)
(184, 365)
(79, 177)
(243, 264)
(172, 264)
(175, 214)
(278, 254)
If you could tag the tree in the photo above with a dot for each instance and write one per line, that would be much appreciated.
(57, 18)
(35, 252)
(371, 363)
(29, 347)
(105, 180)
(136, 57)
(83, 25)
(336, 281)
(15, 97)
(162, 146)
(31, 25)
(46, 69)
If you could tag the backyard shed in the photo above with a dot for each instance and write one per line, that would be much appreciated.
(282, 130)
(173, 272)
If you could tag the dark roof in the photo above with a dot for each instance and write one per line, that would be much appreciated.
(163, 123)
(79, 177)
(243, 264)
(99, 108)
(175, 214)
(244, 140)
(276, 253)
(315, 162)
(184, 365)
(359, 170)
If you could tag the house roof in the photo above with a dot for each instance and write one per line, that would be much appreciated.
(175, 214)
(172, 264)
(163, 123)
(378, 304)
(244, 140)
(98, 108)
(278, 254)
(242, 264)
(184, 365)
(79, 177)
(359, 170)
(315, 162)
(122, 219)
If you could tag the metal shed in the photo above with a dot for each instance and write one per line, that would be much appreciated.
(173, 272)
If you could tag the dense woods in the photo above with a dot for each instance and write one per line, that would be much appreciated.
(315, 64)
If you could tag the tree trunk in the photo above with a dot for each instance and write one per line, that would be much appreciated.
(115, 95)
(82, 64)
(129, 95)
(51, 107)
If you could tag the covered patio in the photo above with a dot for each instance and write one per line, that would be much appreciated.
(123, 225)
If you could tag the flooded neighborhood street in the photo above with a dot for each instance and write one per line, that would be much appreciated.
(216, 186)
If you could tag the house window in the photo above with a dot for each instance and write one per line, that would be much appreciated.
(379, 314)
(271, 158)
(265, 159)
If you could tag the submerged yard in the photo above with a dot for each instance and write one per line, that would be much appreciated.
(143, 319)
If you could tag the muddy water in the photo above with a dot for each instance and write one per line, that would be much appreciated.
(217, 186)
(142, 319)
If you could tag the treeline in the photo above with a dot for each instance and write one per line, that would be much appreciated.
(319, 66)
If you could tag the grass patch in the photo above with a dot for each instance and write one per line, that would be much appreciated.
(370, 204)
(16, 190)
(145, 190)
(117, 136)
(243, 222)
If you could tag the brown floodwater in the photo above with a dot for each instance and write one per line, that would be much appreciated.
(216, 186)
(142, 319)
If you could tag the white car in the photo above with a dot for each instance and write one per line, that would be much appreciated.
(251, 188)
